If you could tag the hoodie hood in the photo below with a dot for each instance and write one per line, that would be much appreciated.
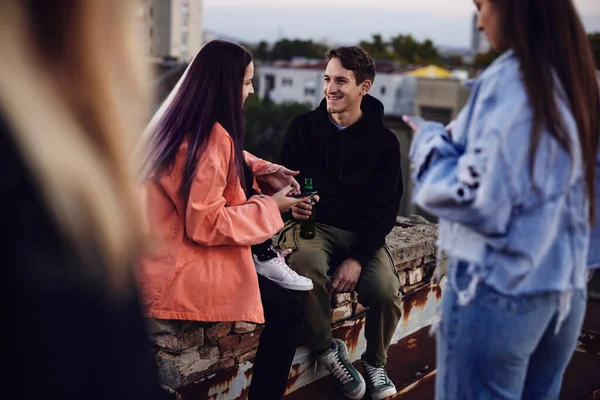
(337, 143)
(372, 109)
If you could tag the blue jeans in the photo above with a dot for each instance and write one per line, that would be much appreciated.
(503, 347)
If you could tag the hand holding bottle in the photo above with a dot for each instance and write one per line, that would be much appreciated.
(303, 210)
(285, 202)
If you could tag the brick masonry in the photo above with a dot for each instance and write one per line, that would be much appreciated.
(187, 352)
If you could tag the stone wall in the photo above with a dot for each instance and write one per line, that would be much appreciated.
(191, 353)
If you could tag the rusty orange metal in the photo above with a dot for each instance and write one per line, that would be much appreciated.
(350, 333)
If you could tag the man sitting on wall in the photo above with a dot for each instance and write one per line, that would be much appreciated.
(354, 163)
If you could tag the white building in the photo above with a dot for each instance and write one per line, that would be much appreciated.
(172, 28)
(302, 82)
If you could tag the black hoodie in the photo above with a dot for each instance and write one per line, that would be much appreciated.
(356, 171)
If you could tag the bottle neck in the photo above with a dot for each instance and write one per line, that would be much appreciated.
(308, 186)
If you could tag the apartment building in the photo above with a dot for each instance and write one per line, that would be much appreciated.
(172, 29)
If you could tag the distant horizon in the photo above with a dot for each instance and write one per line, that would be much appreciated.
(345, 25)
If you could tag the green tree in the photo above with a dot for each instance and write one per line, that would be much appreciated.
(409, 50)
(483, 60)
(287, 49)
(266, 125)
(377, 48)
(404, 48)
(261, 51)
(455, 61)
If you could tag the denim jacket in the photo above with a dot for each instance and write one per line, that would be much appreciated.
(518, 237)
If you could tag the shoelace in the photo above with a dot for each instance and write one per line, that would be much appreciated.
(377, 375)
(281, 260)
(334, 365)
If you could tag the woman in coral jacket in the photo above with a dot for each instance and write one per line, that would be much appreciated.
(204, 219)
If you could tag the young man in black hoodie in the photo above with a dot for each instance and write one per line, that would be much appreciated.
(354, 162)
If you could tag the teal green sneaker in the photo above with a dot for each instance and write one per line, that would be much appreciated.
(379, 386)
(349, 380)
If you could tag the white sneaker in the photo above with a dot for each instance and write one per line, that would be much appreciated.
(279, 272)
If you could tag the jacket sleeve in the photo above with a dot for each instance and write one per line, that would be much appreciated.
(258, 166)
(469, 186)
(211, 220)
(382, 207)
(261, 169)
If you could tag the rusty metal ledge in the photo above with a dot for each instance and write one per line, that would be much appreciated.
(411, 361)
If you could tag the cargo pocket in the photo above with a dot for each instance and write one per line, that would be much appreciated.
(287, 237)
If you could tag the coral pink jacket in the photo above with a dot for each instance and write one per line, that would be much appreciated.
(202, 267)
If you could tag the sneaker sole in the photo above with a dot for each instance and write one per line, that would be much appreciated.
(384, 395)
(299, 288)
(362, 390)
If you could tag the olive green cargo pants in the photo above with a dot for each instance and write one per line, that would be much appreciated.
(378, 287)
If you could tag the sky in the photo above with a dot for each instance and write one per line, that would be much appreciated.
(446, 22)
(446, 7)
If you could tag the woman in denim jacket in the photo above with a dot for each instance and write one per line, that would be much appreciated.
(511, 185)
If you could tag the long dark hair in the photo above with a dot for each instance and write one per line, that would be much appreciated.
(549, 40)
(209, 92)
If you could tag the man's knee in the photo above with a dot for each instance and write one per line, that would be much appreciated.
(383, 290)
(310, 263)
(379, 288)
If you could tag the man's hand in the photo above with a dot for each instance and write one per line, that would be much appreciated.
(303, 210)
(346, 277)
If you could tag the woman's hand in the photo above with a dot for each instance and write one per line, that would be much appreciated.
(285, 202)
(414, 122)
(284, 177)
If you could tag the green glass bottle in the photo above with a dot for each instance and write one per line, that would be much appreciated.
(307, 226)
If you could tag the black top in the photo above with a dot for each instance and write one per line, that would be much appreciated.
(248, 181)
(356, 172)
(63, 336)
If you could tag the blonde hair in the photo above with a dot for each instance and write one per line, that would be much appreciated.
(73, 91)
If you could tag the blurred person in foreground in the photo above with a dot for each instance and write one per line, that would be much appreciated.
(205, 214)
(513, 187)
(70, 94)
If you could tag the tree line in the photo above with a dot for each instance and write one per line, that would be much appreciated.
(404, 49)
